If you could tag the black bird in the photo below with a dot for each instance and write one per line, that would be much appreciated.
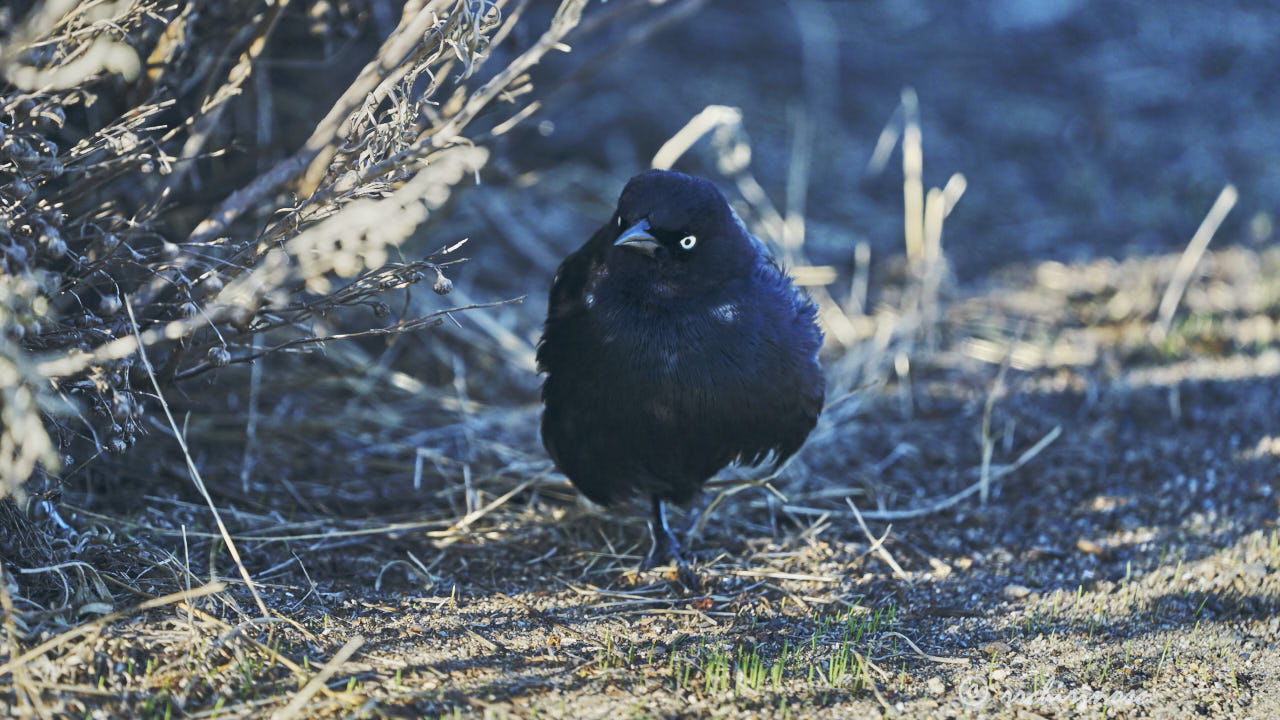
(674, 345)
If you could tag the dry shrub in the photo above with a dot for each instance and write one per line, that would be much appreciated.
(134, 207)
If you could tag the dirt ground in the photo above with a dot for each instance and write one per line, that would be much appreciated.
(1067, 510)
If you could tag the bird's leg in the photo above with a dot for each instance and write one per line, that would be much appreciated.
(667, 547)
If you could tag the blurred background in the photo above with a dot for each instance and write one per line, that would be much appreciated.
(1085, 129)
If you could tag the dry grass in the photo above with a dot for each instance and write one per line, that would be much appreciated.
(1021, 497)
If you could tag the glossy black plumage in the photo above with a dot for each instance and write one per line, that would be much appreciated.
(664, 364)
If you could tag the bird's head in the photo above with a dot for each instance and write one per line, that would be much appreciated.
(675, 234)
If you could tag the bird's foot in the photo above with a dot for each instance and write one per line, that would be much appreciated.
(688, 577)
(667, 549)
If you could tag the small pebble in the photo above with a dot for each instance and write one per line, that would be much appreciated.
(1255, 571)
(1085, 545)
(996, 647)
(1016, 592)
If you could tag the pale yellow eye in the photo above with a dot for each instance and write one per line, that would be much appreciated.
(688, 241)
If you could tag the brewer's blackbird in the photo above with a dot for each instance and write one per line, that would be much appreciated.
(674, 345)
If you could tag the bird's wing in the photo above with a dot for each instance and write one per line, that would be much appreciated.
(559, 343)
(569, 286)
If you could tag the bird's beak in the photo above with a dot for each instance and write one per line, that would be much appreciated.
(637, 238)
